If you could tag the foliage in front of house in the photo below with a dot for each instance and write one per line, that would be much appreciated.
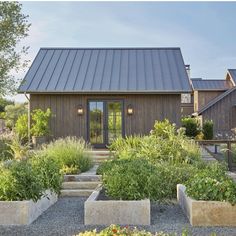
(212, 184)
(165, 143)
(207, 129)
(192, 126)
(152, 166)
(28, 179)
(194, 130)
(71, 153)
(40, 122)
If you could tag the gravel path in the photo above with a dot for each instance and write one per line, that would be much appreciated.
(66, 218)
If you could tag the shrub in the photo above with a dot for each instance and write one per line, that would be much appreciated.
(5, 149)
(19, 182)
(40, 122)
(191, 125)
(165, 143)
(12, 112)
(21, 126)
(138, 179)
(212, 184)
(18, 149)
(48, 172)
(71, 153)
(207, 129)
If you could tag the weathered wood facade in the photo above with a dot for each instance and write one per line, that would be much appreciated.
(147, 108)
(202, 98)
(223, 114)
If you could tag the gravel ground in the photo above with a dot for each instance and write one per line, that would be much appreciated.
(66, 218)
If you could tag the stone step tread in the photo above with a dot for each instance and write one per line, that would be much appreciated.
(76, 192)
(82, 178)
(80, 185)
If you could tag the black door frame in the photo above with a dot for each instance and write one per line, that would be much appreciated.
(105, 119)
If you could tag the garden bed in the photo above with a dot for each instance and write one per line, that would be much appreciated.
(25, 212)
(206, 213)
(106, 211)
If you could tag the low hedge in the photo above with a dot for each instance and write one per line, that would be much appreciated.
(138, 179)
(28, 179)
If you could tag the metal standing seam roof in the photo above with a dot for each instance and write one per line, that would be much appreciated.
(111, 70)
(210, 84)
(215, 100)
(232, 73)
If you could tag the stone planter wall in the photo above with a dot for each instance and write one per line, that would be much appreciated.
(106, 212)
(24, 212)
(206, 213)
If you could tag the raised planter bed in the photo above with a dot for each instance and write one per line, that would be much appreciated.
(106, 212)
(206, 213)
(25, 212)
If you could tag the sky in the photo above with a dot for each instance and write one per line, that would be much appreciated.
(205, 31)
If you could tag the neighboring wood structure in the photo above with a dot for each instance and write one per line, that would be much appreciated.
(222, 111)
(206, 90)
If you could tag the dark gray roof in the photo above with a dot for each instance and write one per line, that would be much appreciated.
(201, 84)
(112, 70)
(216, 99)
(232, 73)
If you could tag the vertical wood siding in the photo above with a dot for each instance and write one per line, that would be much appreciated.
(223, 114)
(201, 98)
(147, 109)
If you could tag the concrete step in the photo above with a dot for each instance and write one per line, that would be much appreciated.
(80, 185)
(82, 178)
(76, 192)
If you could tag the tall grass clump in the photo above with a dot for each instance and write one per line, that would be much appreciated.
(71, 153)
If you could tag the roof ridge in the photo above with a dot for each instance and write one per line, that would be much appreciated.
(110, 48)
(216, 99)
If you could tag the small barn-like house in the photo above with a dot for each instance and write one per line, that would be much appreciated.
(222, 109)
(206, 90)
(104, 93)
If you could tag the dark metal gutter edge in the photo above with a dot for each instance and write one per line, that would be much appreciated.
(106, 92)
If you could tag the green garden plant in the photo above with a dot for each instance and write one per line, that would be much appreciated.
(212, 184)
(21, 127)
(40, 122)
(136, 179)
(19, 182)
(207, 129)
(165, 143)
(191, 125)
(71, 153)
(48, 172)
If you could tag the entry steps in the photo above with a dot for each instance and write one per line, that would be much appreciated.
(81, 185)
(99, 156)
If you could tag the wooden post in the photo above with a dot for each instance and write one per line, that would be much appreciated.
(229, 155)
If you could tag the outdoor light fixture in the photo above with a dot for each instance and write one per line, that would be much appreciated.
(80, 110)
(130, 110)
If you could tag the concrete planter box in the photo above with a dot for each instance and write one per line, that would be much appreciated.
(206, 213)
(25, 212)
(106, 212)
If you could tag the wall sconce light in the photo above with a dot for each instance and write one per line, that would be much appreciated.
(80, 110)
(130, 110)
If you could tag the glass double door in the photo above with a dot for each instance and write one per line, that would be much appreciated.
(105, 121)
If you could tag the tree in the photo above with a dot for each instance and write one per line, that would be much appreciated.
(12, 112)
(14, 27)
(3, 103)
